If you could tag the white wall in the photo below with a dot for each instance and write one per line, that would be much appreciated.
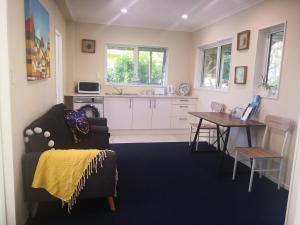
(29, 99)
(84, 66)
(268, 13)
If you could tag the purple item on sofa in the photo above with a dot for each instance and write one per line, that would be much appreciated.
(78, 122)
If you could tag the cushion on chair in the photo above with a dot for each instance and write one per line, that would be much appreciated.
(204, 125)
(258, 152)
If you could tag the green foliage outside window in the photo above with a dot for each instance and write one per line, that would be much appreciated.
(215, 73)
(144, 67)
(121, 66)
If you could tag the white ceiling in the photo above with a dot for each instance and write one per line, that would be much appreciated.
(159, 14)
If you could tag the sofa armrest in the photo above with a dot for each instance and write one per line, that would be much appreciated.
(99, 140)
(29, 163)
(98, 121)
(99, 129)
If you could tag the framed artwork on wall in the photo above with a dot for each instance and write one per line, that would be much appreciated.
(243, 40)
(240, 75)
(88, 46)
(37, 41)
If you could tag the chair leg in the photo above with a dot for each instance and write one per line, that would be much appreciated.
(214, 137)
(261, 164)
(191, 136)
(197, 143)
(279, 175)
(209, 137)
(111, 203)
(34, 209)
(235, 165)
(251, 176)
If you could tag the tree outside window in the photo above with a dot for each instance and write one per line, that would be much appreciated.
(148, 69)
(216, 66)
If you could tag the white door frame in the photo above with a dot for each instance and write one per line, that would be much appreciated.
(7, 189)
(3, 220)
(293, 208)
(59, 67)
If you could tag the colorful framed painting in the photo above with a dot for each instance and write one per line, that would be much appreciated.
(37, 41)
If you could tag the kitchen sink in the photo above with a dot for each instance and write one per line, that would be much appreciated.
(126, 94)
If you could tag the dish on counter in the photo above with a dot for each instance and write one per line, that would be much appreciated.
(184, 89)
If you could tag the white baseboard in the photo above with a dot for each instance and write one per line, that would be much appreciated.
(150, 132)
(274, 179)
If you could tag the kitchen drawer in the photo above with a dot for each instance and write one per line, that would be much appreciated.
(184, 101)
(181, 122)
(182, 109)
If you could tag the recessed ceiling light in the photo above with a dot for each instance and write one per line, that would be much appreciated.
(123, 10)
(184, 16)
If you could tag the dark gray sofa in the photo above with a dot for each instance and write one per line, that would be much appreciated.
(101, 184)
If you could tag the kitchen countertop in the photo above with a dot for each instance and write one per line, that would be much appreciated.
(129, 96)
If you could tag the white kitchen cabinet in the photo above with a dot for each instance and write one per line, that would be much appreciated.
(141, 113)
(161, 113)
(182, 122)
(145, 113)
(182, 109)
(181, 119)
(118, 112)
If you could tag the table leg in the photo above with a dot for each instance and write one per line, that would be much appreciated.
(249, 137)
(224, 149)
(196, 136)
(226, 140)
(218, 138)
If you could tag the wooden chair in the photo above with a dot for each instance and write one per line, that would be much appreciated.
(256, 153)
(206, 128)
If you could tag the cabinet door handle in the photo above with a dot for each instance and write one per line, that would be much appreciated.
(150, 103)
(184, 100)
(154, 103)
(183, 106)
(182, 118)
(130, 103)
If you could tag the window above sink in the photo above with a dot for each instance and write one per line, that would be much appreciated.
(135, 65)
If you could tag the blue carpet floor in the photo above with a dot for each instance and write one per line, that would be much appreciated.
(164, 184)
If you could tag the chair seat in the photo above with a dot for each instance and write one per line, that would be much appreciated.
(258, 153)
(204, 125)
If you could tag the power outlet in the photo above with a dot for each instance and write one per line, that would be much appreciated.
(98, 76)
(12, 77)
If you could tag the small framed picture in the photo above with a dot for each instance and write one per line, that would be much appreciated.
(240, 76)
(243, 40)
(88, 46)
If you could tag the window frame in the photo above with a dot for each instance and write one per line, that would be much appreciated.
(201, 62)
(262, 58)
(136, 64)
(268, 51)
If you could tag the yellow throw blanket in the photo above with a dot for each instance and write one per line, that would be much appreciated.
(63, 172)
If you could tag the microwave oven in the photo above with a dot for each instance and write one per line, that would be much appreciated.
(85, 87)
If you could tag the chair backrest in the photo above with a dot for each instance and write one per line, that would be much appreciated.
(279, 123)
(217, 107)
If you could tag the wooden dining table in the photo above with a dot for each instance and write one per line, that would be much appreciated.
(226, 121)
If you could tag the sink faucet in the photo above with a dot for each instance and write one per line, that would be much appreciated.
(119, 90)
